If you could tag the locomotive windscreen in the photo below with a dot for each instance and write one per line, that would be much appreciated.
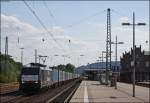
(30, 71)
(30, 74)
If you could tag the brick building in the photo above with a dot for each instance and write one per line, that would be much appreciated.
(142, 66)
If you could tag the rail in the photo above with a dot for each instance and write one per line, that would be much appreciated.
(66, 94)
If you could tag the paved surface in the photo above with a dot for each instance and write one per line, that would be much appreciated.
(144, 82)
(92, 91)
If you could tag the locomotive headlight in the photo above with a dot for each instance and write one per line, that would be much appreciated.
(23, 82)
(36, 81)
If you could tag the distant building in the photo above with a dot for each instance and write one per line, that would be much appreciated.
(98, 65)
(94, 70)
(142, 66)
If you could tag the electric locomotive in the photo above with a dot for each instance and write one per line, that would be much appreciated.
(34, 77)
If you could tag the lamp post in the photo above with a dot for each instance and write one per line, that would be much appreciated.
(64, 58)
(51, 60)
(100, 60)
(103, 57)
(35, 55)
(116, 43)
(99, 73)
(56, 55)
(58, 69)
(22, 55)
(116, 49)
(81, 55)
(134, 59)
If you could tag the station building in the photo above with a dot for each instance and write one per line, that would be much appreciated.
(142, 72)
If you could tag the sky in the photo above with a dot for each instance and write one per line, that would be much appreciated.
(81, 22)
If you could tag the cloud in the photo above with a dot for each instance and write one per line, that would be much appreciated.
(13, 24)
(31, 37)
(124, 19)
(57, 29)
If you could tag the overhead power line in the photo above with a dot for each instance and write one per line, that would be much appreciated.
(42, 24)
(85, 19)
(119, 13)
(50, 12)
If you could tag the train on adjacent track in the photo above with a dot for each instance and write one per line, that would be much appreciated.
(37, 76)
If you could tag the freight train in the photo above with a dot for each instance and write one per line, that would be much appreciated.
(37, 76)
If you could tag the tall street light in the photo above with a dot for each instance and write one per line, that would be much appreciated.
(133, 25)
(100, 62)
(81, 55)
(58, 70)
(56, 55)
(116, 43)
(116, 47)
(102, 58)
(64, 58)
(105, 68)
(22, 55)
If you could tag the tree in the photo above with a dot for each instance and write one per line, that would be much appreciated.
(9, 70)
(69, 68)
(61, 67)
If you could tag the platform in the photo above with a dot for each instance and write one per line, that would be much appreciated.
(92, 91)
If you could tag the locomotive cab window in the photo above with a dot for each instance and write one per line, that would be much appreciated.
(29, 75)
(30, 71)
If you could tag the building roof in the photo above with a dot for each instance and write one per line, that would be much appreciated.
(94, 69)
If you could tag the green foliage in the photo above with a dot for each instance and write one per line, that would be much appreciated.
(61, 67)
(70, 68)
(67, 68)
(9, 69)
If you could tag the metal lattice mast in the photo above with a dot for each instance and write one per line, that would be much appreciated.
(108, 45)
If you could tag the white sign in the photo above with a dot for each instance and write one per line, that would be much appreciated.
(132, 63)
(147, 64)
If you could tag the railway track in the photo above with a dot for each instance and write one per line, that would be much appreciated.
(9, 91)
(10, 96)
(65, 95)
(59, 94)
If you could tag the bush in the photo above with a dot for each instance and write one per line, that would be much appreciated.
(9, 71)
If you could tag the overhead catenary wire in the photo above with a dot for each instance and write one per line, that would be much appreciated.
(50, 12)
(42, 24)
(119, 13)
(85, 19)
(123, 15)
(55, 23)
